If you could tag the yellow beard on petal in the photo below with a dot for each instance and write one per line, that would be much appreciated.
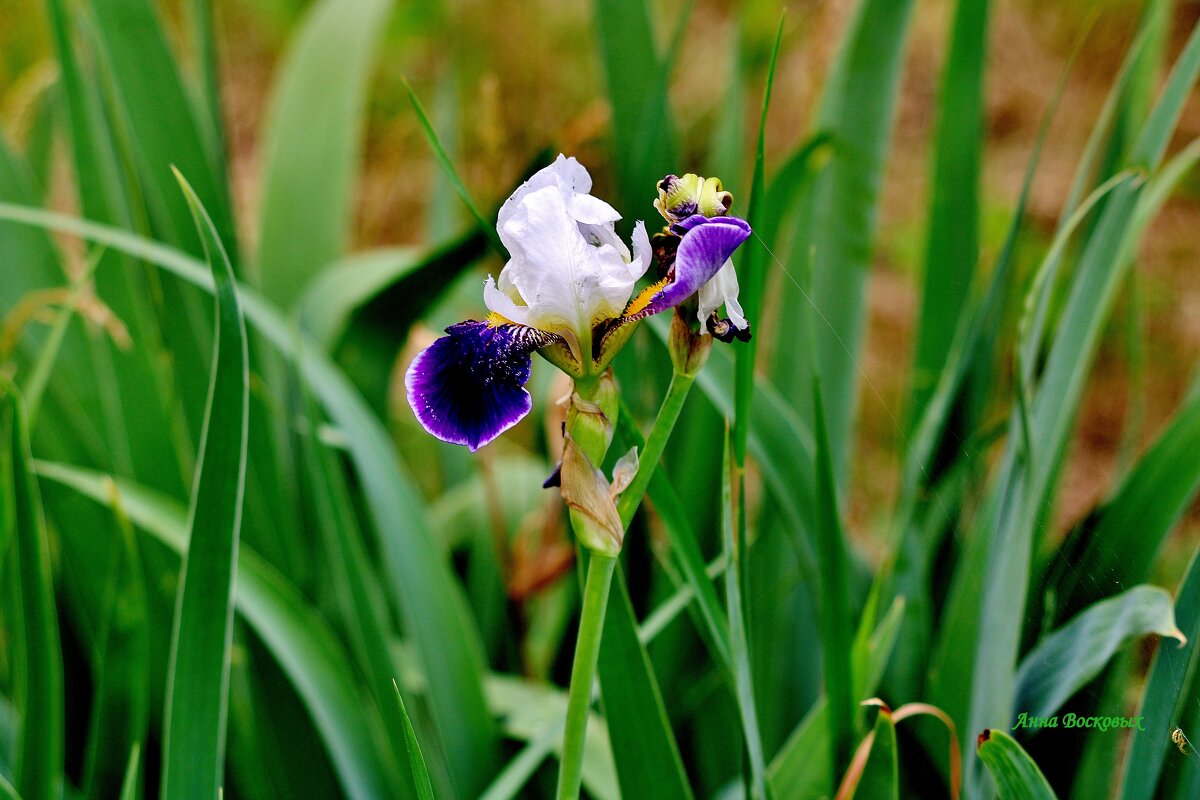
(640, 302)
(495, 320)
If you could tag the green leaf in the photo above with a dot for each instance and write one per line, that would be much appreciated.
(1170, 685)
(420, 578)
(737, 629)
(121, 692)
(295, 633)
(416, 761)
(642, 132)
(685, 550)
(880, 776)
(801, 767)
(987, 602)
(129, 785)
(952, 246)
(7, 792)
(755, 271)
(198, 680)
(162, 123)
(309, 169)
(536, 711)
(1017, 777)
(37, 662)
(354, 584)
(447, 165)
(1067, 659)
(1122, 542)
(835, 619)
(647, 758)
(856, 110)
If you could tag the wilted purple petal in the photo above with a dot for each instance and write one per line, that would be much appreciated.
(706, 244)
(468, 387)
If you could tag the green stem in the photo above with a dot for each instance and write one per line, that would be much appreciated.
(583, 672)
(656, 442)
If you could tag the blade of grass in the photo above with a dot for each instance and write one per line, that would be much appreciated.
(129, 785)
(836, 625)
(416, 761)
(38, 664)
(737, 628)
(1066, 660)
(198, 677)
(443, 159)
(308, 170)
(1173, 675)
(875, 771)
(1124, 539)
(420, 579)
(642, 132)
(684, 547)
(755, 274)
(132, 389)
(801, 767)
(856, 110)
(952, 245)
(644, 748)
(162, 122)
(520, 769)
(121, 702)
(1015, 773)
(991, 591)
(298, 637)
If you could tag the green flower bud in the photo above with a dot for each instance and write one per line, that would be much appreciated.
(591, 413)
(689, 348)
(680, 198)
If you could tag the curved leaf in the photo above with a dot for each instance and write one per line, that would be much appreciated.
(421, 581)
(1017, 777)
(296, 635)
(37, 655)
(1075, 653)
(198, 677)
(308, 169)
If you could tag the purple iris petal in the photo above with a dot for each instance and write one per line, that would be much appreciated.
(706, 244)
(468, 387)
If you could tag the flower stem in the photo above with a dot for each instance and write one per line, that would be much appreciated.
(583, 672)
(656, 442)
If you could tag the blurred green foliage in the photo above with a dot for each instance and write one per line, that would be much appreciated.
(769, 586)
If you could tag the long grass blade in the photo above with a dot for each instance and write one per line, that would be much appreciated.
(856, 111)
(1172, 679)
(198, 680)
(298, 637)
(416, 761)
(1015, 773)
(644, 748)
(743, 677)
(38, 664)
(952, 246)
(1068, 658)
(419, 577)
(757, 259)
(308, 170)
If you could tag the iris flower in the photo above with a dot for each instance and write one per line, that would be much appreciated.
(566, 293)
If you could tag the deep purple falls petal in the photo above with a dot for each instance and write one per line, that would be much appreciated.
(468, 387)
(706, 244)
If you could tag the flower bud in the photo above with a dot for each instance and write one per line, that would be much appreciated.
(587, 494)
(591, 411)
(680, 198)
(689, 348)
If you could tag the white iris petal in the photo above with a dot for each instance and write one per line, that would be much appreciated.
(568, 268)
(721, 289)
